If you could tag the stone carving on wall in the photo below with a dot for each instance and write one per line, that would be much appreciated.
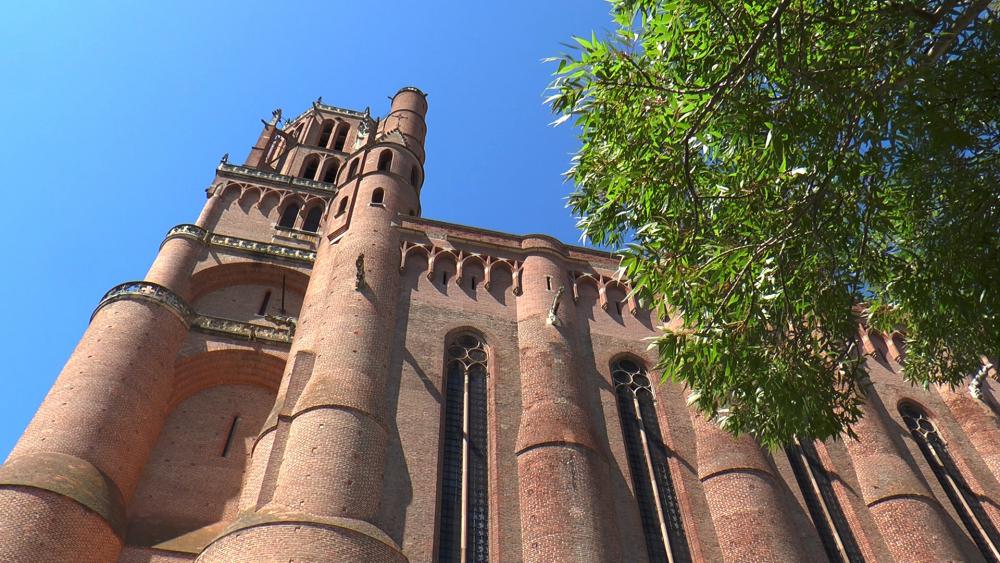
(249, 246)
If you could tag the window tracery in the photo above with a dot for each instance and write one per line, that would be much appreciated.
(821, 500)
(464, 487)
(965, 501)
(647, 460)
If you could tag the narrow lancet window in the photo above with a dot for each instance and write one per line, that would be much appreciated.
(647, 461)
(965, 501)
(378, 196)
(464, 499)
(312, 219)
(341, 139)
(325, 133)
(330, 174)
(288, 216)
(824, 508)
(309, 167)
(385, 160)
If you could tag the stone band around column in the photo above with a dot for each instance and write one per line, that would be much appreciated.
(148, 291)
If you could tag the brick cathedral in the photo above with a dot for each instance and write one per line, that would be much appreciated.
(312, 371)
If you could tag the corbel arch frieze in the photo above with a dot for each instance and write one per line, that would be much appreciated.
(603, 283)
(435, 253)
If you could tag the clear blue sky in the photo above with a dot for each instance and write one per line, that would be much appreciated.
(116, 115)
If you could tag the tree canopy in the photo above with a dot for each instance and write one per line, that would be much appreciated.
(776, 172)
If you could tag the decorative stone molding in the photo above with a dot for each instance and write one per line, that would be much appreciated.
(263, 248)
(244, 330)
(147, 291)
(602, 283)
(195, 232)
(246, 172)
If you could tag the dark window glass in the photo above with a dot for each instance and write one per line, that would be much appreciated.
(821, 500)
(312, 219)
(965, 501)
(658, 506)
(465, 388)
(385, 160)
(341, 138)
(309, 168)
(330, 174)
(288, 216)
(324, 136)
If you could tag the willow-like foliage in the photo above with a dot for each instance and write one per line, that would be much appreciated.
(775, 172)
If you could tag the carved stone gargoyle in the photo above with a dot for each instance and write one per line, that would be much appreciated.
(359, 281)
(554, 309)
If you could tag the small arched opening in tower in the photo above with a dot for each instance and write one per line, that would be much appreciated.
(309, 167)
(288, 216)
(378, 196)
(341, 207)
(385, 160)
(341, 137)
(326, 133)
(312, 219)
(415, 176)
(330, 172)
(353, 170)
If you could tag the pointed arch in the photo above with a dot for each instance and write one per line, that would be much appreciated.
(465, 464)
(385, 160)
(313, 218)
(325, 133)
(647, 456)
(289, 215)
(309, 167)
(963, 499)
(330, 169)
(340, 139)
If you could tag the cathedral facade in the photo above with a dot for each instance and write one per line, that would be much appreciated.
(312, 371)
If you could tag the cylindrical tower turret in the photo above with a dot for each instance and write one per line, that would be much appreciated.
(325, 448)
(562, 469)
(72, 473)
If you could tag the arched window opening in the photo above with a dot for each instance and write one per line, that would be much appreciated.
(342, 207)
(341, 139)
(464, 500)
(353, 170)
(378, 196)
(309, 167)
(288, 216)
(324, 135)
(824, 508)
(414, 176)
(658, 507)
(385, 160)
(966, 502)
(313, 219)
(330, 175)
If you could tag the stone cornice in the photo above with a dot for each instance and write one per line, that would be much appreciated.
(155, 293)
(266, 249)
(321, 188)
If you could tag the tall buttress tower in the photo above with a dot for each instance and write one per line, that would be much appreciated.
(312, 371)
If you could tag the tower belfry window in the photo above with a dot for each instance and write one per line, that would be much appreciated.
(659, 510)
(324, 136)
(341, 139)
(965, 501)
(309, 167)
(385, 160)
(330, 174)
(378, 196)
(312, 219)
(821, 500)
(464, 498)
(288, 216)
